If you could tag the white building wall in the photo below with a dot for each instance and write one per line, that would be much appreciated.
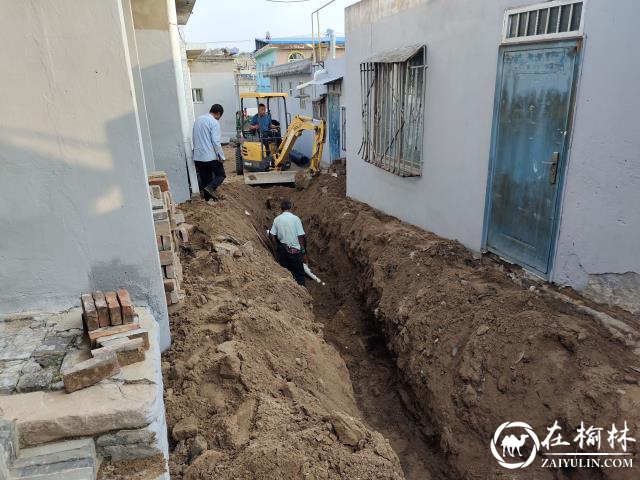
(163, 85)
(74, 203)
(600, 219)
(217, 80)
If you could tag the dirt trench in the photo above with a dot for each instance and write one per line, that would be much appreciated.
(402, 366)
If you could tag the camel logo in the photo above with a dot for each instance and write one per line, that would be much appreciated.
(511, 445)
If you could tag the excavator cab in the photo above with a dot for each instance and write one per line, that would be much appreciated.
(263, 157)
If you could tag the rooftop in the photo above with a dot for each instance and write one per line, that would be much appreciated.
(291, 68)
(297, 40)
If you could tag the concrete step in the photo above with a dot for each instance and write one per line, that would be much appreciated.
(70, 460)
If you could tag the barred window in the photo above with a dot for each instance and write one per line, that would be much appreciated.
(392, 89)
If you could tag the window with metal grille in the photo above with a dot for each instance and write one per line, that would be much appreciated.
(197, 95)
(550, 20)
(392, 89)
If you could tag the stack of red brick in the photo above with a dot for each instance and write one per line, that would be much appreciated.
(116, 339)
(168, 223)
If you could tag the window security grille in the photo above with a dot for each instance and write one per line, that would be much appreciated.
(197, 95)
(392, 89)
(551, 20)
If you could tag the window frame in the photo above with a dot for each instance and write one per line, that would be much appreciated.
(194, 95)
(393, 90)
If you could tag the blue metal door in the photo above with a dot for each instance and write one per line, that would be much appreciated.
(531, 122)
(334, 125)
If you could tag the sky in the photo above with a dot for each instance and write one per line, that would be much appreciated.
(235, 23)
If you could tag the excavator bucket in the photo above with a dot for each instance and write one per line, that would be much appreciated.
(267, 178)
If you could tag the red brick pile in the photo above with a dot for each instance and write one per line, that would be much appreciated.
(170, 232)
(116, 339)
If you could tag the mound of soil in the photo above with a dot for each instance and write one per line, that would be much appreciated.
(252, 390)
(408, 359)
(477, 344)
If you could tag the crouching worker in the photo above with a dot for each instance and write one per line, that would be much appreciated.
(290, 241)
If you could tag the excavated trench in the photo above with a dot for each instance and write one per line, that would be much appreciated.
(439, 349)
(387, 403)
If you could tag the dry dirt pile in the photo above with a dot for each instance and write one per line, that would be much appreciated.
(440, 348)
(476, 347)
(252, 389)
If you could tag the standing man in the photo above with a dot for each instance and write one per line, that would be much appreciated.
(290, 241)
(207, 152)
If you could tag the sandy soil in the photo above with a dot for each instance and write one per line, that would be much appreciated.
(402, 366)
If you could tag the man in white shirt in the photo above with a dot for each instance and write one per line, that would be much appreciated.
(290, 241)
(207, 151)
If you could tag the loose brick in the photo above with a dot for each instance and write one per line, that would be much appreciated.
(128, 312)
(89, 312)
(127, 350)
(160, 214)
(183, 233)
(160, 179)
(166, 243)
(169, 271)
(102, 307)
(155, 192)
(179, 218)
(172, 297)
(163, 227)
(166, 258)
(141, 333)
(107, 331)
(90, 372)
(115, 314)
(169, 284)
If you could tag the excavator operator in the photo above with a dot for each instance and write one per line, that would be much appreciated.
(269, 130)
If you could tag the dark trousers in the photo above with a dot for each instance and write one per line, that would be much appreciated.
(210, 174)
(292, 262)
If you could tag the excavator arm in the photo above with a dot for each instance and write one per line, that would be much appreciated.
(298, 125)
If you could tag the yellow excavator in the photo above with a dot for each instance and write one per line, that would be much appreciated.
(264, 157)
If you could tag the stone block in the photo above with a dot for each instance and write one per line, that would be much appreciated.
(71, 460)
(102, 307)
(141, 436)
(89, 312)
(32, 382)
(141, 333)
(52, 350)
(126, 305)
(10, 372)
(115, 313)
(155, 192)
(90, 372)
(9, 443)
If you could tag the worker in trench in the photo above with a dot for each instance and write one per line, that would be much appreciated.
(290, 241)
(207, 152)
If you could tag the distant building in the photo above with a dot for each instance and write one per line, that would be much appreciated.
(278, 51)
(213, 80)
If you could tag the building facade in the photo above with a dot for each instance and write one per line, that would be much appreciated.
(278, 51)
(86, 115)
(507, 127)
(213, 80)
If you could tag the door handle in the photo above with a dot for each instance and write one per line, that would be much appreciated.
(553, 170)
